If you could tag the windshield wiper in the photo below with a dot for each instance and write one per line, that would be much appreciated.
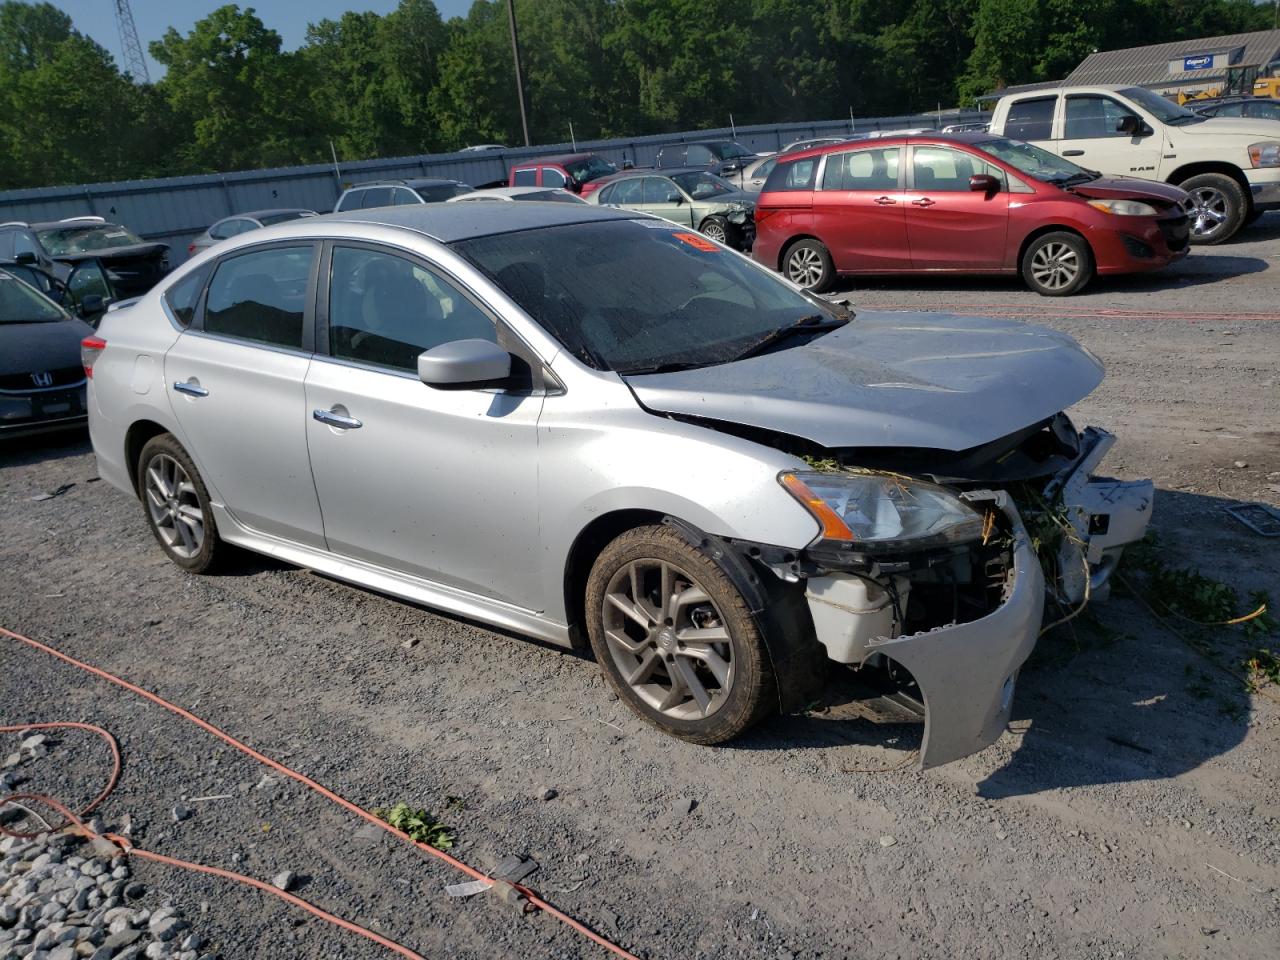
(1083, 177)
(815, 323)
(670, 366)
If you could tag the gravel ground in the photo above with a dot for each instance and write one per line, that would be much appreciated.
(1131, 809)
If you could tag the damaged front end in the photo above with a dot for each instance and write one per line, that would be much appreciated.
(937, 586)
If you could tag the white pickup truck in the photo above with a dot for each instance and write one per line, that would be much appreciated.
(1229, 165)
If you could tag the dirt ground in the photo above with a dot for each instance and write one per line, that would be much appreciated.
(1131, 810)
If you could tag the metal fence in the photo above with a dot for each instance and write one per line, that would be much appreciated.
(174, 210)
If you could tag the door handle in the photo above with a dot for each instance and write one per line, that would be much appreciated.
(885, 201)
(1073, 153)
(190, 389)
(923, 202)
(337, 420)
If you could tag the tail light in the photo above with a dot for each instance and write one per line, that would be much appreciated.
(763, 214)
(191, 249)
(90, 349)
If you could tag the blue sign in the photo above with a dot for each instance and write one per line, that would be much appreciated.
(1200, 62)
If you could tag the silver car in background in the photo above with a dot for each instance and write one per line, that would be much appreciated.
(589, 425)
(239, 223)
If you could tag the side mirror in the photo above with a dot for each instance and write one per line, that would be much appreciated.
(984, 183)
(674, 197)
(92, 305)
(463, 363)
(1132, 125)
(26, 258)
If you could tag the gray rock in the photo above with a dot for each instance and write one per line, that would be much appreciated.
(121, 938)
(62, 953)
(684, 806)
(134, 891)
(157, 950)
(549, 794)
(192, 942)
(182, 812)
(33, 741)
(8, 914)
(284, 880)
(168, 928)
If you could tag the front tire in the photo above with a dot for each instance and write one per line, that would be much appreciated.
(176, 502)
(717, 229)
(1220, 207)
(808, 264)
(675, 638)
(1057, 264)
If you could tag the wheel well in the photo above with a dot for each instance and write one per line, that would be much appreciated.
(1211, 166)
(1054, 228)
(137, 437)
(786, 247)
(588, 545)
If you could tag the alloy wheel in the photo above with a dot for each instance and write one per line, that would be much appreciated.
(1209, 211)
(668, 639)
(1055, 265)
(716, 232)
(174, 506)
(804, 266)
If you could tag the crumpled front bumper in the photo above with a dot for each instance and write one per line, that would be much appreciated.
(966, 672)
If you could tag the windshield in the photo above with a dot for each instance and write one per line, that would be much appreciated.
(1166, 111)
(19, 303)
(702, 185)
(1033, 161)
(442, 193)
(728, 150)
(86, 239)
(638, 295)
(591, 168)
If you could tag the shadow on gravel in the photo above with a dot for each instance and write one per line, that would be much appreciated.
(24, 451)
(1114, 696)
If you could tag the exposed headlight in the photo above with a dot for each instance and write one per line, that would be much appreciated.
(883, 513)
(1265, 154)
(1124, 208)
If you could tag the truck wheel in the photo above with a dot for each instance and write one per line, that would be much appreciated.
(1057, 264)
(1220, 207)
(808, 264)
(675, 638)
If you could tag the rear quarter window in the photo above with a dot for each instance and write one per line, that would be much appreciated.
(1030, 119)
(792, 175)
(525, 178)
(183, 296)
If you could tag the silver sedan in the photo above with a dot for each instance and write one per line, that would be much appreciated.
(595, 427)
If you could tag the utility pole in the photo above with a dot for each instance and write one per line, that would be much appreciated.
(515, 53)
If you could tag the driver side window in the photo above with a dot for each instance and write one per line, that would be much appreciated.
(384, 310)
(1091, 118)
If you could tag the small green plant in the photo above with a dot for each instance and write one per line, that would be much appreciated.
(418, 824)
(1263, 667)
(823, 465)
(454, 804)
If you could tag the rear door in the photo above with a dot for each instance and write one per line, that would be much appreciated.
(858, 210)
(949, 226)
(1090, 138)
(236, 386)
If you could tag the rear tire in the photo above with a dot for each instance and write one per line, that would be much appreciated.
(808, 264)
(177, 508)
(694, 666)
(1220, 207)
(1057, 264)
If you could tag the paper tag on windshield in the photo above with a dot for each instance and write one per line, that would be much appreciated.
(697, 241)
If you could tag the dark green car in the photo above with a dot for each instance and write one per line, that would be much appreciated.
(690, 197)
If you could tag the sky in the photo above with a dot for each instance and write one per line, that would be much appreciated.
(289, 18)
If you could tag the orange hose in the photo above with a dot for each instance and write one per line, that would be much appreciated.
(129, 849)
(306, 781)
(106, 791)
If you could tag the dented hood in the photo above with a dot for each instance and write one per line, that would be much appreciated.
(890, 380)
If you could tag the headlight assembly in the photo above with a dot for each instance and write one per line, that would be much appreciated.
(1124, 208)
(1265, 154)
(883, 513)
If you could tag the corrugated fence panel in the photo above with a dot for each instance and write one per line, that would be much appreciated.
(174, 210)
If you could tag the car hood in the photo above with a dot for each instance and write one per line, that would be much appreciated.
(1130, 188)
(37, 347)
(890, 380)
(1229, 126)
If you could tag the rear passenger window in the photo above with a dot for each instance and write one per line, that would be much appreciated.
(526, 178)
(1031, 119)
(375, 197)
(862, 170)
(628, 191)
(404, 196)
(260, 296)
(698, 156)
(183, 296)
(796, 175)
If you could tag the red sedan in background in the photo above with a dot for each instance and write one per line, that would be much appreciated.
(961, 203)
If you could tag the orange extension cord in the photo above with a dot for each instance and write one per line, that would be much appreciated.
(306, 781)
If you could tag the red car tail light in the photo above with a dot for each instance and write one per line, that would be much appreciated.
(90, 349)
(763, 214)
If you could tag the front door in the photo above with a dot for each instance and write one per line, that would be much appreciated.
(858, 210)
(1090, 138)
(236, 384)
(438, 484)
(950, 226)
(663, 198)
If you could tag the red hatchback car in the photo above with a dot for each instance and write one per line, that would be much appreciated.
(961, 203)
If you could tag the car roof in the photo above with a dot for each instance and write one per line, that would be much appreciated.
(266, 213)
(655, 172)
(698, 143)
(412, 184)
(561, 158)
(451, 222)
(72, 221)
(506, 192)
(970, 137)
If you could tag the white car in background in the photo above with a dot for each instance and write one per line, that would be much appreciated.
(507, 194)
